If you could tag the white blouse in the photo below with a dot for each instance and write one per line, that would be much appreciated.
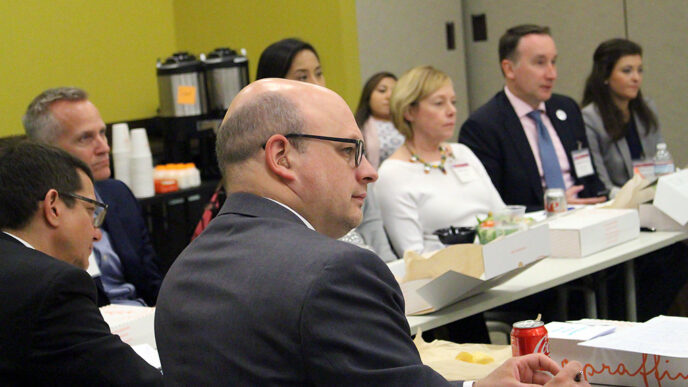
(414, 204)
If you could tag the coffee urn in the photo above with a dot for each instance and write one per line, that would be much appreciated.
(226, 73)
(181, 86)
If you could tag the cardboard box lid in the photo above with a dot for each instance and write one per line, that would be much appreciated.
(672, 195)
(460, 271)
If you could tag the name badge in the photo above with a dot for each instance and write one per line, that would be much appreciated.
(464, 172)
(582, 162)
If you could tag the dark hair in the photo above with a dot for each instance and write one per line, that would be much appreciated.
(276, 59)
(28, 170)
(509, 41)
(597, 89)
(363, 110)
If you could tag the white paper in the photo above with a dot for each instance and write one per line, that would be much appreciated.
(575, 331)
(148, 353)
(664, 336)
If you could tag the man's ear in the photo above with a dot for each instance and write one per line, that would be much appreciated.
(279, 154)
(50, 208)
(508, 68)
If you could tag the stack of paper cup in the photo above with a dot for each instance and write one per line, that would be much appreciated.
(141, 165)
(121, 150)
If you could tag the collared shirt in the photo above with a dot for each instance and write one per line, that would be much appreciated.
(522, 109)
(23, 242)
(295, 213)
(118, 290)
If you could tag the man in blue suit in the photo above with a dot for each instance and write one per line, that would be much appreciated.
(528, 138)
(125, 259)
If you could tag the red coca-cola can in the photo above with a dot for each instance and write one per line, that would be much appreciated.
(529, 336)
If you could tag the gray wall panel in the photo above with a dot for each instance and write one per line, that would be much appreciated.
(661, 28)
(577, 28)
(400, 34)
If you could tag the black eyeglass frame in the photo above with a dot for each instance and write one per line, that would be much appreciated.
(360, 145)
(98, 217)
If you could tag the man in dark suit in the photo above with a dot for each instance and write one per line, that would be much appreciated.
(51, 332)
(266, 295)
(129, 274)
(527, 138)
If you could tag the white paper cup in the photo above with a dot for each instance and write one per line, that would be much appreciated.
(141, 170)
(122, 167)
(120, 138)
(139, 142)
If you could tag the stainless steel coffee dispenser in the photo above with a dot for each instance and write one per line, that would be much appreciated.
(181, 86)
(226, 73)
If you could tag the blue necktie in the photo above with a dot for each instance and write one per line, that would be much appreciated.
(548, 157)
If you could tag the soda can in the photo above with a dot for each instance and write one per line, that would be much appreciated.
(555, 201)
(529, 336)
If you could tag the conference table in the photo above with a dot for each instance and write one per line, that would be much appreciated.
(549, 273)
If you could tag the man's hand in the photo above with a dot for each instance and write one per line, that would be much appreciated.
(572, 199)
(524, 371)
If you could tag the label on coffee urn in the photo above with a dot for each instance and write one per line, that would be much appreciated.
(186, 95)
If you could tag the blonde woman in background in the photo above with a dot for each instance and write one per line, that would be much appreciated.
(428, 184)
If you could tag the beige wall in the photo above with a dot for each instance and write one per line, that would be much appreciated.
(392, 37)
(576, 29)
(661, 27)
(578, 26)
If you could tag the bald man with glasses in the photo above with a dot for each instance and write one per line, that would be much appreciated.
(51, 331)
(266, 295)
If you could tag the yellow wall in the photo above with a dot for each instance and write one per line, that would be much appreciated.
(329, 25)
(109, 47)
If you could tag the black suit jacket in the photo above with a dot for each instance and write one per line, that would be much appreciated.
(495, 134)
(259, 299)
(130, 239)
(51, 331)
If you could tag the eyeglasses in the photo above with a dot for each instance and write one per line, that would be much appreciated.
(98, 213)
(360, 145)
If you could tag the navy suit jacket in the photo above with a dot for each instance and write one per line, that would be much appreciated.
(51, 331)
(130, 239)
(495, 134)
(259, 299)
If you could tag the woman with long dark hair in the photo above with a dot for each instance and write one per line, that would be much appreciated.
(374, 119)
(289, 58)
(621, 126)
(293, 59)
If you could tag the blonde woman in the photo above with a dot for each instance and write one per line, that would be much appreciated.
(428, 183)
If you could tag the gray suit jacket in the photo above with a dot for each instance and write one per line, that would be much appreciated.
(612, 158)
(260, 299)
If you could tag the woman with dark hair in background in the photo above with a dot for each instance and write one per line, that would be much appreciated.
(374, 119)
(297, 60)
(621, 125)
(291, 58)
(622, 128)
